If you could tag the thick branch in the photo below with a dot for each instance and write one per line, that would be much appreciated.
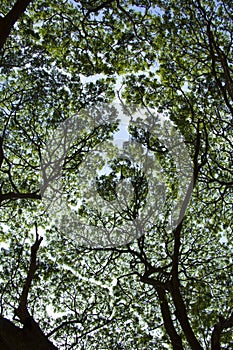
(30, 336)
(7, 22)
(22, 311)
(160, 288)
(168, 323)
(177, 231)
(177, 297)
(182, 315)
(217, 331)
(1, 152)
(18, 195)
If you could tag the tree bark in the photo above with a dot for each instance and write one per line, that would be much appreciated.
(7, 22)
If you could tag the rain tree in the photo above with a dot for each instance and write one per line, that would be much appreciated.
(168, 287)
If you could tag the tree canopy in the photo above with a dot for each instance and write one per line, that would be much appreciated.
(168, 288)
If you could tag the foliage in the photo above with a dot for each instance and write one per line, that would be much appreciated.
(166, 289)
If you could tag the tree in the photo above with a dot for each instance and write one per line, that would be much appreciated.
(167, 288)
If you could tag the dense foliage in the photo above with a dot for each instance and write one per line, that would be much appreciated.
(168, 289)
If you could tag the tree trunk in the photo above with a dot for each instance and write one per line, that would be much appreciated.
(30, 337)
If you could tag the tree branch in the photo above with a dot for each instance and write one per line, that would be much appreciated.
(160, 288)
(168, 322)
(104, 5)
(177, 297)
(7, 22)
(63, 324)
(177, 231)
(1, 152)
(182, 315)
(22, 311)
(18, 195)
(217, 331)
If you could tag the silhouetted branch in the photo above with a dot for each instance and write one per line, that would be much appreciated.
(22, 311)
(217, 331)
(7, 22)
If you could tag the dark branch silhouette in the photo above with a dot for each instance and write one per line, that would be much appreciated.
(7, 22)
